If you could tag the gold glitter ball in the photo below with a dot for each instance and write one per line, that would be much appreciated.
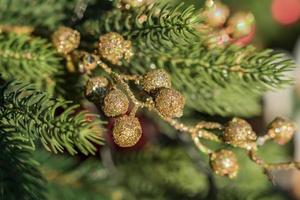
(115, 103)
(241, 24)
(127, 131)
(156, 79)
(96, 88)
(65, 39)
(224, 163)
(216, 14)
(113, 47)
(281, 130)
(239, 133)
(169, 103)
(88, 62)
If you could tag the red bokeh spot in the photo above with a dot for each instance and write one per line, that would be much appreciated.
(286, 12)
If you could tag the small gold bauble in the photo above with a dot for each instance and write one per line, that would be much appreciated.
(113, 47)
(88, 62)
(115, 103)
(241, 24)
(216, 14)
(224, 163)
(156, 79)
(65, 39)
(127, 131)
(96, 88)
(169, 103)
(281, 130)
(239, 133)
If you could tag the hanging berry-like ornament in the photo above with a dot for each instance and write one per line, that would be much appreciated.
(224, 163)
(239, 133)
(127, 131)
(115, 103)
(156, 79)
(241, 24)
(216, 14)
(88, 63)
(65, 39)
(281, 130)
(169, 102)
(113, 47)
(96, 88)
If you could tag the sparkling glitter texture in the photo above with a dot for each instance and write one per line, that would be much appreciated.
(224, 163)
(239, 133)
(96, 88)
(127, 131)
(241, 24)
(156, 79)
(115, 103)
(65, 39)
(169, 103)
(281, 130)
(88, 62)
(112, 47)
(216, 14)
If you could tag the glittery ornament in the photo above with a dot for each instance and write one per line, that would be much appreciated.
(241, 24)
(127, 131)
(115, 103)
(239, 133)
(281, 130)
(96, 88)
(169, 103)
(156, 79)
(113, 48)
(65, 39)
(216, 14)
(88, 62)
(224, 163)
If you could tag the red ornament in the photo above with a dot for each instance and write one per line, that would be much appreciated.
(243, 41)
(286, 12)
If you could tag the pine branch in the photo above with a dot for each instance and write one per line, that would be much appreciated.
(160, 21)
(29, 59)
(208, 78)
(211, 79)
(19, 176)
(44, 13)
(33, 115)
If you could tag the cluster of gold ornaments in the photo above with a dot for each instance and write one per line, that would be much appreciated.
(168, 102)
(228, 28)
(113, 95)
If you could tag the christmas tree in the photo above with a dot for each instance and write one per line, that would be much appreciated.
(137, 99)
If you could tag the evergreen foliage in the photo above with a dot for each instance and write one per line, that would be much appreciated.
(39, 13)
(19, 175)
(168, 39)
(33, 115)
(32, 60)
